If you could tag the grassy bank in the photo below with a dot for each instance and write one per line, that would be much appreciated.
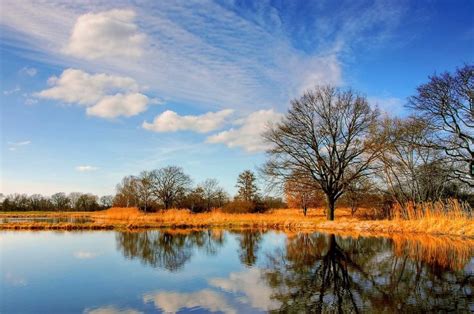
(434, 219)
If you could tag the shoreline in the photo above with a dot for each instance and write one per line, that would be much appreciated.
(279, 220)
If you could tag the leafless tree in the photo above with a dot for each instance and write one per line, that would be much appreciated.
(127, 192)
(413, 171)
(446, 103)
(211, 191)
(326, 136)
(145, 190)
(169, 183)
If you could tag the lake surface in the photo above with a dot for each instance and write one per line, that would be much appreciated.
(230, 272)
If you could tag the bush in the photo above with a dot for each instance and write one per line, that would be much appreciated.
(239, 207)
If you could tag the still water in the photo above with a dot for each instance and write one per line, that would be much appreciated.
(230, 272)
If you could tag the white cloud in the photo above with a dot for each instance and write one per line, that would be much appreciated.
(119, 105)
(29, 71)
(15, 145)
(85, 255)
(249, 133)
(392, 106)
(250, 284)
(86, 168)
(104, 95)
(16, 281)
(170, 121)
(172, 302)
(30, 101)
(12, 91)
(111, 310)
(202, 52)
(106, 34)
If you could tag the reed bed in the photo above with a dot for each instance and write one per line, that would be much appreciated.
(440, 218)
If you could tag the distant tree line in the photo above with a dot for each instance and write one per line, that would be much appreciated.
(332, 143)
(57, 202)
(169, 187)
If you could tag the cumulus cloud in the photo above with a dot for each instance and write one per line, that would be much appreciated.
(29, 71)
(172, 302)
(106, 34)
(86, 168)
(170, 121)
(247, 134)
(119, 105)
(15, 145)
(249, 283)
(104, 95)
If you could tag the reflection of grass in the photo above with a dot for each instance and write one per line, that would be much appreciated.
(436, 219)
(445, 252)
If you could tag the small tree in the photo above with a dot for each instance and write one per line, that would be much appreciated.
(61, 201)
(247, 188)
(211, 189)
(145, 190)
(302, 194)
(169, 184)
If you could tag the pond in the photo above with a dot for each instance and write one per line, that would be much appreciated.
(230, 272)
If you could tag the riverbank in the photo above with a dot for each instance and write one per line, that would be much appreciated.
(282, 219)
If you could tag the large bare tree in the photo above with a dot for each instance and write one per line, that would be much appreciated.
(446, 103)
(325, 136)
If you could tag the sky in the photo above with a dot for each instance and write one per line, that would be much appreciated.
(92, 91)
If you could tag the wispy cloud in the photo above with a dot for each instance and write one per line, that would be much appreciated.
(221, 57)
(30, 71)
(86, 168)
(12, 91)
(389, 105)
(15, 145)
(85, 255)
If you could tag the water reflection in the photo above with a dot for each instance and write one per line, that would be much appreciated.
(331, 274)
(320, 271)
(249, 244)
(167, 249)
(232, 272)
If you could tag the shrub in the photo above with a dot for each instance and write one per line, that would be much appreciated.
(239, 206)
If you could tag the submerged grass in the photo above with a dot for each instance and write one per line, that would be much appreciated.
(439, 218)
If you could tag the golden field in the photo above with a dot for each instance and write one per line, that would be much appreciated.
(435, 219)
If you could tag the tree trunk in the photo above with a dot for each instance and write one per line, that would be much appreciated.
(305, 209)
(330, 208)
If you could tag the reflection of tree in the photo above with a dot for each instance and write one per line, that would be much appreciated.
(166, 249)
(249, 242)
(322, 274)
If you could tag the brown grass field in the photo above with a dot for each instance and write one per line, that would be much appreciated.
(436, 219)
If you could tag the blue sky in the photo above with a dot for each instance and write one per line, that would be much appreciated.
(93, 91)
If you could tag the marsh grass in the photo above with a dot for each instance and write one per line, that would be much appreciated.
(439, 218)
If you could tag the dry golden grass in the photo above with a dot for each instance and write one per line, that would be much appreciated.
(434, 218)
